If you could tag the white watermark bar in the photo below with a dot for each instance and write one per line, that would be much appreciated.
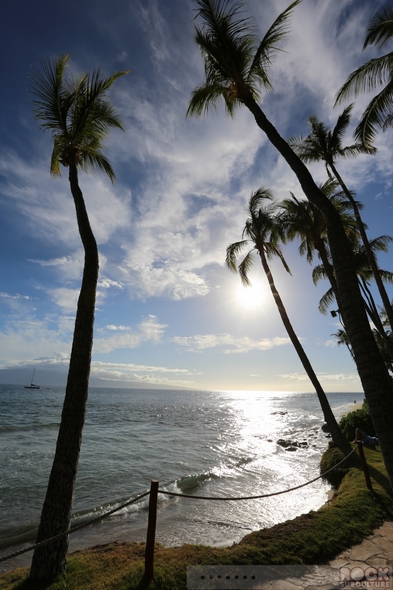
(261, 577)
(365, 576)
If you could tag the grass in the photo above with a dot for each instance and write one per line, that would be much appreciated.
(312, 538)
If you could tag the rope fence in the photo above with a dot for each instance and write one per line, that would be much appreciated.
(262, 495)
(72, 530)
(153, 494)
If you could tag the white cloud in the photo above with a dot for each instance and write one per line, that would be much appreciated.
(14, 296)
(149, 330)
(47, 204)
(106, 283)
(25, 340)
(321, 376)
(330, 343)
(147, 374)
(230, 343)
(65, 298)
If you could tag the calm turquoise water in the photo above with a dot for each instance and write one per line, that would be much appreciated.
(195, 442)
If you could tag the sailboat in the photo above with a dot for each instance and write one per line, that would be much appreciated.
(32, 384)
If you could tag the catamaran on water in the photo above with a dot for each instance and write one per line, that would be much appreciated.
(32, 384)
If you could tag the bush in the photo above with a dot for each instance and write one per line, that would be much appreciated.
(329, 459)
(357, 419)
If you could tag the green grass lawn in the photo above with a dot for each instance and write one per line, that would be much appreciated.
(312, 538)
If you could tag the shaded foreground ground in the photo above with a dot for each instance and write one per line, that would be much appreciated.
(313, 539)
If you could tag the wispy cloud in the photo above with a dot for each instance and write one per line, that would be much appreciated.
(321, 376)
(227, 342)
(149, 330)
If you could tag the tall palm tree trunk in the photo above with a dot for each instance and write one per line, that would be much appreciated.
(320, 247)
(49, 561)
(371, 258)
(338, 437)
(373, 314)
(370, 365)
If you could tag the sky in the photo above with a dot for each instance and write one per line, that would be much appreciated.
(169, 313)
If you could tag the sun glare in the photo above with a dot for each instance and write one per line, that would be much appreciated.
(250, 297)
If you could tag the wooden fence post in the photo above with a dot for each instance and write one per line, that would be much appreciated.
(364, 466)
(151, 531)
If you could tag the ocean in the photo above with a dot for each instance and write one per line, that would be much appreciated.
(208, 443)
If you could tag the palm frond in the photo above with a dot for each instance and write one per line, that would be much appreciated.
(269, 45)
(375, 115)
(53, 98)
(273, 250)
(93, 114)
(245, 267)
(258, 199)
(380, 28)
(330, 188)
(388, 122)
(232, 254)
(58, 145)
(341, 126)
(206, 97)
(318, 273)
(95, 159)
(357, 149)
(326, 301)
(222, 15)
(381, 243)
(386, 276)
(366, 77)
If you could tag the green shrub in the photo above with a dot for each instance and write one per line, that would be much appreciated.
(357, 419)
(329, 459)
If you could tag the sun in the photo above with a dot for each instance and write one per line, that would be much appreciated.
(250, 297)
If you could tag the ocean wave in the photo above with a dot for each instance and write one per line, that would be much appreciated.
(189, 483)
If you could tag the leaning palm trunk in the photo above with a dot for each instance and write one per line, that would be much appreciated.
(371, 367)
(49, 560)
(338, 437)
(373, 314)
(371, 258)
(320, 246)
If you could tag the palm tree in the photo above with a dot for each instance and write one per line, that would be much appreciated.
(365, 274)
(300, 219)
(236, 69)
(325, 145)
(79, 116)
(263, 230)
(370, 75)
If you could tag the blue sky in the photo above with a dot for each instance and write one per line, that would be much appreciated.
(168, 311)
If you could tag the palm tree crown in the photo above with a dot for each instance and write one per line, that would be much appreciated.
(262, 230)
(236, 62)
(301, 219)
(77, 114)
(370, 75)
(326, 144)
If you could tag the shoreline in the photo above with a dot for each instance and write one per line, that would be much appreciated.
(80, 541)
